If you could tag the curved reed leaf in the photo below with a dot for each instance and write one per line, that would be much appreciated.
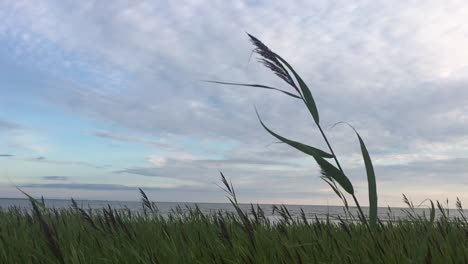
(372, 186)
(371, 182)
(331, 172)
(314, 152)
(308, 98)
(258, 86)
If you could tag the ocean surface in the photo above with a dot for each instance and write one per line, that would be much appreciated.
(311, 211)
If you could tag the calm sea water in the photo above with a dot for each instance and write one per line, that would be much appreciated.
(311, 211)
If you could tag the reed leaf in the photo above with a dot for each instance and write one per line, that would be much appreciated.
(314, 152)
(331, 172)
(307, 95)
(257, 86)
(371, 182)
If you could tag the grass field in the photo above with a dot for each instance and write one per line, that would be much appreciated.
(77, 235)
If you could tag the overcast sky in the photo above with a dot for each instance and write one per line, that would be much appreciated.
(98, 98)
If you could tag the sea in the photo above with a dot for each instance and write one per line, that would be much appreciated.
(312, 212)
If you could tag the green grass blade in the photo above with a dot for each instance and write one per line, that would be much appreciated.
(308, 98)
(330, 171)
(314, 152)
(372, 186)
(257, 86)
(432, 217)
(371, 182)
(40, 204)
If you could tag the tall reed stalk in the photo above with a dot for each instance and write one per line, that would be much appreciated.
(333, 175)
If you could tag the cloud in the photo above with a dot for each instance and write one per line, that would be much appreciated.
(142, 107)
(396, 71)
(259, 175)
(106, 187)
(8, 126)
(86, 186)
(19, 136)
(158, 161)
(437, 172)
(55, 178)
(6, 156)
(121, 137)
(65, 162)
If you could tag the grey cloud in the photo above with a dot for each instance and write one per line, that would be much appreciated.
(8, 126)
(86, 186)
(395, 74)
(376, 111)
(55, 178)
(453, 171)
(107, 187)
(211, 165)
(244, 161)
(65, 162)
(6, 156)
(121, 137)
(248, 176)
(110, 135)
(182, 194)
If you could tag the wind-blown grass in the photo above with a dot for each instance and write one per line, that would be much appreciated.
(186, 235)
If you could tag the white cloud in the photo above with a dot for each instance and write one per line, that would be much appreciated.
(157, 161)
(398, 71)
(22, 137)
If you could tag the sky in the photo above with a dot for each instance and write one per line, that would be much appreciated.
(100, 98)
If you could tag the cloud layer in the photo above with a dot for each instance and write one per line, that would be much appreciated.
(396, 71)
